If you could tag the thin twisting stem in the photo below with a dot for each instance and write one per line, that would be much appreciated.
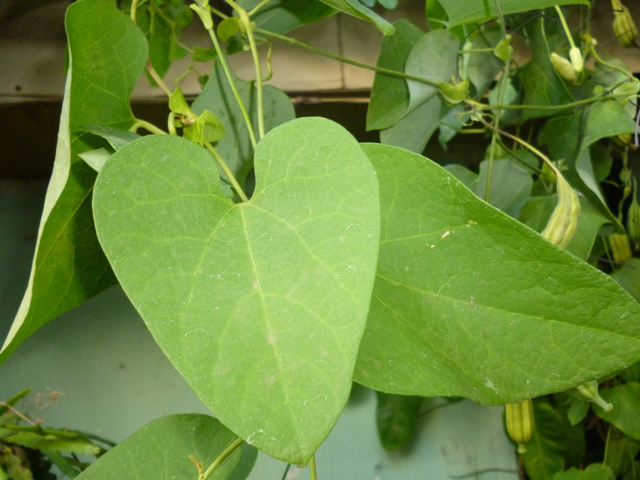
(222, 458)
(149, 127)
(227, 171)
(324, 53)
(312, 468)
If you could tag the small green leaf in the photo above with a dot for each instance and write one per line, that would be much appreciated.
(358, 10)
(41, 440)
(454, 93)
(207, 127)
(96, 158)
(625, 415)
(396, 419)
(178, 104)
(229, 27)
(117, 137)
(161, 450)
(290, 273)
(204, 54)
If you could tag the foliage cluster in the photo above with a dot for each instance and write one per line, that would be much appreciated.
(276, 260)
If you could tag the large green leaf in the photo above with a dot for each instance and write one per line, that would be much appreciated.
(235, 146)
(259, 305)
(467, 11)
(390, 95)
(69, 266)
(161, 450)
(358, 10)
(469, 302)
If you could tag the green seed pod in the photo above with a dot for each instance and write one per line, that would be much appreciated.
(454, 92)
(633, 221)
(588, 392)
(520, 423)
(577, 62)
(620, 247)
(623, 25)
(564, 220)
(564, 67)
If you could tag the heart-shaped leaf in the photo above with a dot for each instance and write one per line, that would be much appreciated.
(469, 302)
(259, 305)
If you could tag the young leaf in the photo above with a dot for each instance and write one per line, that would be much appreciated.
(218, 98)
(289, 273)
(69, 266)
(463, 291)
(469, 11)
(162, 448)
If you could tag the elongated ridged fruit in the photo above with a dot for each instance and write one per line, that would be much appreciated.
(623, 25)
(564, 219)
(520, 423)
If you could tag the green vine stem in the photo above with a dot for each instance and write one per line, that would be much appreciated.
(312, 468)
(598, 59)
(246, 23)
(149, 127)
(216, 463)
(565, 26)
(134, 11)
(324, 53)
(227, 171)
(201, 7)
(501, 92)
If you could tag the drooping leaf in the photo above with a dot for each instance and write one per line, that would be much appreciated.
(117, 137)
(289, 273)
(462, 291)
(39, 439)
(390, 95)
(541, 84)
(434, 58)
(235, 146)
(595, 471)
(69, 266)
(358, 10)
(396, 419)
(625, 415)
(162, 448)
(468, 11)
(546, 449)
